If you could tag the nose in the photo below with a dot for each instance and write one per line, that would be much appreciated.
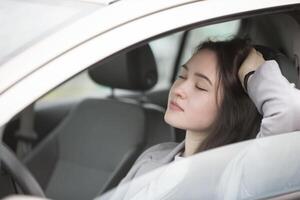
(180, 90)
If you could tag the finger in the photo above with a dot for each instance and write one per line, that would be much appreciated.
(254, 51)
(259, 54)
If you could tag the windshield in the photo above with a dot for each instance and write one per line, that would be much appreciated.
(25, 22)
(255, 169)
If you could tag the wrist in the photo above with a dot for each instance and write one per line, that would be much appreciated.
(246, 78)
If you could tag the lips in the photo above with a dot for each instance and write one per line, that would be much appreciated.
(174, 106)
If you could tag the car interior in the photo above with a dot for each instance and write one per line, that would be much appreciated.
(82, 148)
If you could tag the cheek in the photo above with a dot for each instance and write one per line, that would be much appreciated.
(202, 112)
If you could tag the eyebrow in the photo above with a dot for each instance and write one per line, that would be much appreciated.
(198, 74)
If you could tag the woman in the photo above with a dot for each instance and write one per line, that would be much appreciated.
(210, 100)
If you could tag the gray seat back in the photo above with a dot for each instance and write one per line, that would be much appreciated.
(287, 66)
(95, 145)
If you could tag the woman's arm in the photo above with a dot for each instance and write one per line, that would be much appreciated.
(274, 97)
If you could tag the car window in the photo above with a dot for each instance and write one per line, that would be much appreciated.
(229, 171)
(221, 31)
(81, 86)
(165, 50)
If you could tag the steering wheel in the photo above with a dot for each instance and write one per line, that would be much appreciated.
(19, 172)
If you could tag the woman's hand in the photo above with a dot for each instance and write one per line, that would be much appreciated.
(251, 63)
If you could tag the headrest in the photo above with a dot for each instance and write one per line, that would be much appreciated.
(286, 65)
(133, 70)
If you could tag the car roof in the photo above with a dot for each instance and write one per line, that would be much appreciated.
(39, 19)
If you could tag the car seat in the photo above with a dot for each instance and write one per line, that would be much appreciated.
(287, 66)
(92, 149)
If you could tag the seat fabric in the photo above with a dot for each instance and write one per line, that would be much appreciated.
(95, 145)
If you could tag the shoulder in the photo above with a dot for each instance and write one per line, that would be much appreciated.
(158, 151)
(150, 159)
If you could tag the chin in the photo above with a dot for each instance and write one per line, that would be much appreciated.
(174, 121)
(185, 124)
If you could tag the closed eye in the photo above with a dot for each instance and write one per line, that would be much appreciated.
(181, 77)
(199, 88)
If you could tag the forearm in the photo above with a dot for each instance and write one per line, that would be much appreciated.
(275, 98)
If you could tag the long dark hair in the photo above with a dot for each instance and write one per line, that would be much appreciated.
(238, 118)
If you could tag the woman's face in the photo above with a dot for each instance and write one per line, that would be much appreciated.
(192, 99)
